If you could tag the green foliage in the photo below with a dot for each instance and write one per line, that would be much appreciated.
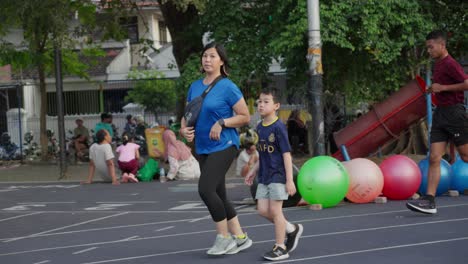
(189, 72)
(451, 16)
(153, 92)
(46, 24)
(370, 48)
(245, 30)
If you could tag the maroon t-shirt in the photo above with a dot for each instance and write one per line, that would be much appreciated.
(448, 71)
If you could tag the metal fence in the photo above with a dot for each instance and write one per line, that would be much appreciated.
(16, 118)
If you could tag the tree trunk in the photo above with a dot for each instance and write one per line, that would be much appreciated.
(186, 33)
(42, 117)
(185, 29)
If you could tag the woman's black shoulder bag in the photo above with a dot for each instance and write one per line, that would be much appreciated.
(192, 109)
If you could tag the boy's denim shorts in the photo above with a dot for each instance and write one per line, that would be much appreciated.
(272, 191)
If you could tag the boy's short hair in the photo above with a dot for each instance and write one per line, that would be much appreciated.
(271, 91)
(105, 116)
(101, 135)
(437, 34)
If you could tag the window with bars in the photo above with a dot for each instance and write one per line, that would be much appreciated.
(88, 102)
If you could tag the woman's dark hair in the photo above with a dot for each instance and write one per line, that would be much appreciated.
(126, 137)
(222, 54)
(101, 135)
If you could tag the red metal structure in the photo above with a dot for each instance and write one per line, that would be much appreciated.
(384, 122)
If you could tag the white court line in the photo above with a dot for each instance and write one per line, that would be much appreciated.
(289, 260)
(64, 227)
(112, 227)
(209, 216)
(45, 203)
(129, 238)
(84, 250)
(165, 228)
(372, 250)
(19, 216)
(115, 211)
(135, 202)
(200, 219)
(243, 214)
(210, 231)
(42, 262)
(109, 228)
(243, 206)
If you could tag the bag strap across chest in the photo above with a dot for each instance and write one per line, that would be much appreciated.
(212, 84)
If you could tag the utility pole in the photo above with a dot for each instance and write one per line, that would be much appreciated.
(60, 109)
(314, 57)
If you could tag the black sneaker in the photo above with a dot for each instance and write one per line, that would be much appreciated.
(422, 205)
(293, 238)
(277, 253)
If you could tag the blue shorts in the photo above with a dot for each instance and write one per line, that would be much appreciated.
(272, 191)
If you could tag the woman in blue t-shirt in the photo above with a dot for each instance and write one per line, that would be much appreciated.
(216, 144)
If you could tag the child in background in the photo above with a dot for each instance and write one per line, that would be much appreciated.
(249, 155)
(275, 176)
(183, 166)
(128, 158)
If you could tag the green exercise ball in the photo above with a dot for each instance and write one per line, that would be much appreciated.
(323, 180)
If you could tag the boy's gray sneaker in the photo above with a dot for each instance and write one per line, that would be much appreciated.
(277, 253)
(222, 245)
(241, 244)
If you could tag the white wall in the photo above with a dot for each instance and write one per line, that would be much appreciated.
(118, 69)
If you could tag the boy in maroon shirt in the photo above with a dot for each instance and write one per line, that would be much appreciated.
(450, 120)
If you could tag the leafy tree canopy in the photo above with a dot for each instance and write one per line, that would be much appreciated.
(370, 48)
(152, 91)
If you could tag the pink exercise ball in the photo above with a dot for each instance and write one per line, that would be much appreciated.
(365, 180)
(402, 177)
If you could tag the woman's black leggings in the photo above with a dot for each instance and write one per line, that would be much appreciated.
(212, 183)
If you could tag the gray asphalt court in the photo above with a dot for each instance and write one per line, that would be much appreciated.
(167, 223)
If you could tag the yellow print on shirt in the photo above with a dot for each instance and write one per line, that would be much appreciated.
(271, 138)
(266, 147)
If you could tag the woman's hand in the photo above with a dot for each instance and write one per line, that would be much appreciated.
(215, 132)
(188, 133)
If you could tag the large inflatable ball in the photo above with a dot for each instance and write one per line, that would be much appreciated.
(365, 180)
(460, 175)
(445, 176)
(323, 180)
(402, 177)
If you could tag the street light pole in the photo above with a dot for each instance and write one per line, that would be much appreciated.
(314, 57)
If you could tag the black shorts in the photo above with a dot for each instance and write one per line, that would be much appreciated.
(450, 123)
